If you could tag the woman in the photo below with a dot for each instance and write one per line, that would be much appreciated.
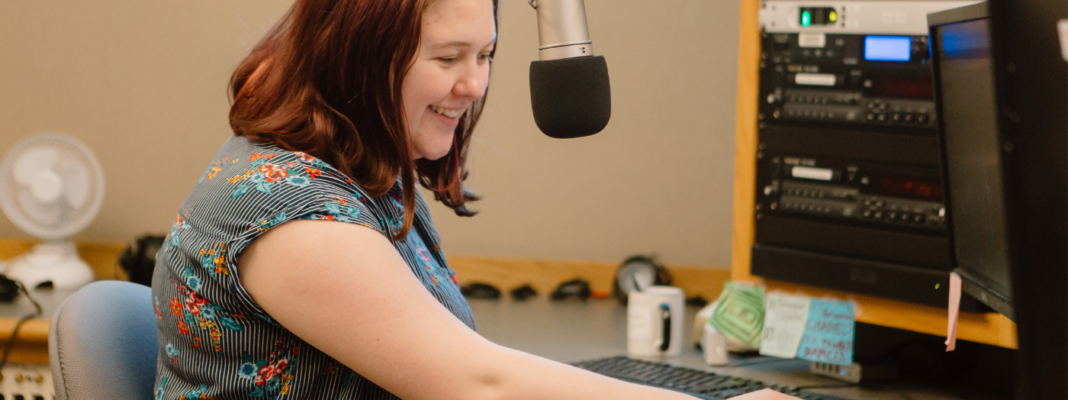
(261, 292)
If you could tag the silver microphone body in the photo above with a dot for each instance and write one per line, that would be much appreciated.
(562, 29)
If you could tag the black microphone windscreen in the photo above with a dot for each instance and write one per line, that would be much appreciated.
(571, 96)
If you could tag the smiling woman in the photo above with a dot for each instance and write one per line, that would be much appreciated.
(450, 73)
(325, 82)
(304, 264)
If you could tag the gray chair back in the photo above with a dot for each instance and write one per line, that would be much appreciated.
(102, 343)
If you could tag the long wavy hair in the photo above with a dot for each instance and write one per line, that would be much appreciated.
(326, 80)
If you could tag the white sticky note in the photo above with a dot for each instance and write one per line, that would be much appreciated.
(954, 311)
(784, 324)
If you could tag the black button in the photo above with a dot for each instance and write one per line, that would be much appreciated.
(922, 118)
(38, 397)
(20, 397)
(892, 216)
(918, 218)
(896, 117)
(909, 117)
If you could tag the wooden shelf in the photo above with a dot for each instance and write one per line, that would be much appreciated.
(31, 344)
(990, 328)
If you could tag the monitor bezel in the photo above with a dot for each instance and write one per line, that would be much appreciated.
(994, 294)
(1031, 92)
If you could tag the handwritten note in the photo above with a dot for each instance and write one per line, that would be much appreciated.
(829, 332)
(784, 324)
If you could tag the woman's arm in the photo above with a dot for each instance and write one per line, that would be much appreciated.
(344, 289)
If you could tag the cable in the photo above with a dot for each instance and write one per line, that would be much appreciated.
(18, 325)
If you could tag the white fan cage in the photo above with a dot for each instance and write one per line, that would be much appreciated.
(69, 220)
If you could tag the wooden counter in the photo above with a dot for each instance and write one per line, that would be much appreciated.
(31, 344)
(505, 273)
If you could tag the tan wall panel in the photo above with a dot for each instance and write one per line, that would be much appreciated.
(143, 83)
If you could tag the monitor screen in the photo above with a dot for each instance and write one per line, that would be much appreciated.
(973, 156)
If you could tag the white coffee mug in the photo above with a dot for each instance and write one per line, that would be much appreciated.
(655, 321)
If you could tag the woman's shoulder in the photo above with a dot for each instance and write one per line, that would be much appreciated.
(246, 166)
(261, 183)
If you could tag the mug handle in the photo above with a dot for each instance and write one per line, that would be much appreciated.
(665, 317)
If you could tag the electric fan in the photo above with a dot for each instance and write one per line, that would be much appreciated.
(51, 187)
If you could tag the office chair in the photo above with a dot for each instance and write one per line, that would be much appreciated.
(102, 343)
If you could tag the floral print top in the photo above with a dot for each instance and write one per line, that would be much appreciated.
(215, 342)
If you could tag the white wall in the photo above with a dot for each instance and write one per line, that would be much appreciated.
(144, 84)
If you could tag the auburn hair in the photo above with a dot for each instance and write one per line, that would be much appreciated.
(326, 80)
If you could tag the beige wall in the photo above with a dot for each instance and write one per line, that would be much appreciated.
(143, 83)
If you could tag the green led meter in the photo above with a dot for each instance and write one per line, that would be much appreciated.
(817, 16)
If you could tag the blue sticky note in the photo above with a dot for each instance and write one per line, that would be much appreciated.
(829, 332)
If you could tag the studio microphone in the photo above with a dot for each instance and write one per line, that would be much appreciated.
(569, 89)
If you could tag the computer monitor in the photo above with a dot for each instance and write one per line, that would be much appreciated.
(1002, 88)
(974, 185)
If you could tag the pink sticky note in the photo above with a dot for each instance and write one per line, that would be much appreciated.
(954, 311)
(765, 394)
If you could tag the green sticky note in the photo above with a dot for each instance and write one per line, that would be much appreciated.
(739, 314)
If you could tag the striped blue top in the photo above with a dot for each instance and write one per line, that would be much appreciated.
(215, 341)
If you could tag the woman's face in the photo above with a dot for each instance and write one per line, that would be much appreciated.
(450, 71)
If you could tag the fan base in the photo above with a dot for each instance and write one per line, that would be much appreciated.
(55, 262)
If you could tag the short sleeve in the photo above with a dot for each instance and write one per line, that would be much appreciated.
(264, 191)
